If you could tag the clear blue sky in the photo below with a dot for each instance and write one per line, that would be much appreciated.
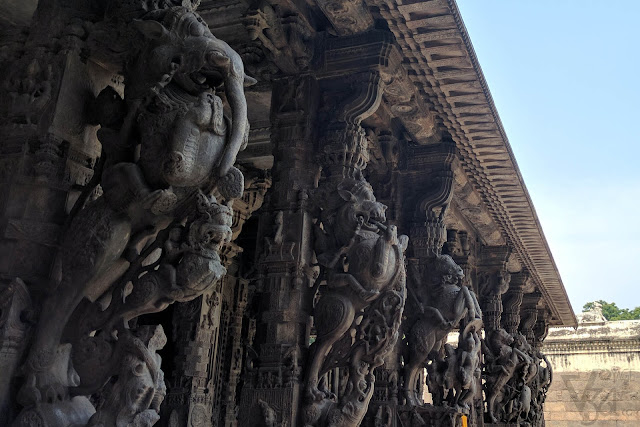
(565, 78)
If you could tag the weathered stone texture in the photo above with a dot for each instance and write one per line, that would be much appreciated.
(596, 373)
(294, 296)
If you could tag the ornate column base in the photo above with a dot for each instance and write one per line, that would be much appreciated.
(274, 407)
(429, 415)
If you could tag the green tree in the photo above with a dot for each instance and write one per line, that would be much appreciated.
(611, 311)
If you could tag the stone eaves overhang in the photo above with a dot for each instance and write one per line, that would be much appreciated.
(443, 66)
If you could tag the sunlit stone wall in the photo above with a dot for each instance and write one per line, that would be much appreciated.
(596, 377)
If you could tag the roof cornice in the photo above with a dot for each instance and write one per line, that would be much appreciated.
(443, 65)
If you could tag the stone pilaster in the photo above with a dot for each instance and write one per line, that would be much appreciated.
(195, 328)
(47, 149)
(47, 152)
(285, 258)
(233, 356)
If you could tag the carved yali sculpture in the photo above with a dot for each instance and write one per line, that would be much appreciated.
(358, 316)
(440, 302)
(154, 236)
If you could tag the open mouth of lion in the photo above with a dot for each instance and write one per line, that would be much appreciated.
(370, 222)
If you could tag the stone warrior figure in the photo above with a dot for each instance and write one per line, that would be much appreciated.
(503, 359)
(362, 263)
(440, 304)
(526, 389)
(469, 371)
(168, 183)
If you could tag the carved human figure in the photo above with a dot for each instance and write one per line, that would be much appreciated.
(174, 120)
(269, 415)
(502, 360)
(135, 398)
(440, 302)
(450, 377)
(469, 372)
(435, 377)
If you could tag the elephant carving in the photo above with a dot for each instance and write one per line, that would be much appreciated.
(171, 150)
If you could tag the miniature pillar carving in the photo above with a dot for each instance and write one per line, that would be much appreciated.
(273, 380)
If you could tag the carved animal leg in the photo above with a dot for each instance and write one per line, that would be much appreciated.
(98, 238)
(342, 280)
(492, 404)
(421, 342)
(149, 295)
(330, 330)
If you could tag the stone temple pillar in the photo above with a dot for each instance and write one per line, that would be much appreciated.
(48, 150)
(272, 385)
(99, 243)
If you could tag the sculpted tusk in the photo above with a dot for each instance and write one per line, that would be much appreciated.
(249, 81)
(235, 96)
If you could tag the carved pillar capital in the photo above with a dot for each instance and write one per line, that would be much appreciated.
(493, 282)
(520, 284)
(541, 328)
(353, 74)
(529, 315)
(431, 195)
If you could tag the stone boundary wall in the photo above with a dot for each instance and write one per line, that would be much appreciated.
(596, 377)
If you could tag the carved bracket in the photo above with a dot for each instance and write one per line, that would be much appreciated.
(512, 300)
(432, 193)
(347, 16)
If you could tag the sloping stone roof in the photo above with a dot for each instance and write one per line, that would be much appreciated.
(443, 65)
